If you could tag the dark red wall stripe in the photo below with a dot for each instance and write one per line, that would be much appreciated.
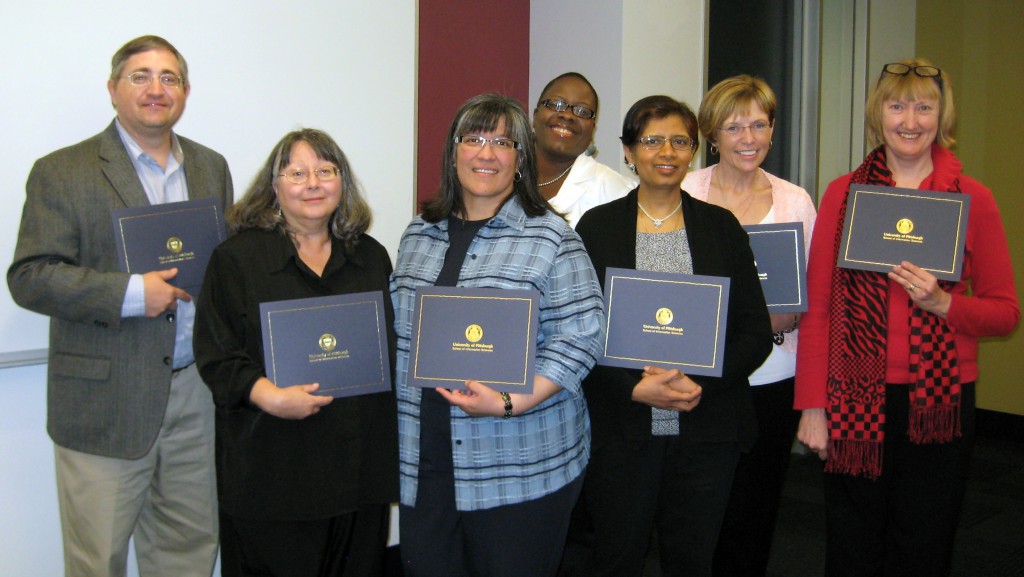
(466, 47)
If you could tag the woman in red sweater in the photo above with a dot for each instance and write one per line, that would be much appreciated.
(887, 361)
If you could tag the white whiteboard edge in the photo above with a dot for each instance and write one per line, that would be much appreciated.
(24, 358)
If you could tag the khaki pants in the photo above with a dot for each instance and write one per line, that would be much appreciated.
(166, 500)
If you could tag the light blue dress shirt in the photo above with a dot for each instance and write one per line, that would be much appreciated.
(161, 186)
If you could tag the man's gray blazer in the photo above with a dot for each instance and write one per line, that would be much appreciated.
(108, 378)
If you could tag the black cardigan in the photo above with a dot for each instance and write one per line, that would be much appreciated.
(719, 247)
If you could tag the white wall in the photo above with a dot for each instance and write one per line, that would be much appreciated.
(664, 50)
(563, 39)
(258, 69)
(29, 527)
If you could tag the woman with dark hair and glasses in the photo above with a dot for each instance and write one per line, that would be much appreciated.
(737, 117)
(305, 481)
(887, 362)
(666, 443)
(488, 479)
(563, 123)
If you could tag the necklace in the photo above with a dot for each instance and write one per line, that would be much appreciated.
(741, 208)
(557, 178)
(659, 221)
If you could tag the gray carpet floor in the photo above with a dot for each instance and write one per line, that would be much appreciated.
(990, 540)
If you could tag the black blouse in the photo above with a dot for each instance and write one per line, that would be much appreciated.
(268, 468)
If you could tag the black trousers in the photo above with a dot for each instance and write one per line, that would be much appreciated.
(903, 523)
(351, 545)
(525, 539)
(745, 542)
(680, 489)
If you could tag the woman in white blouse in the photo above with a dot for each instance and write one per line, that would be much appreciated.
(564, 121)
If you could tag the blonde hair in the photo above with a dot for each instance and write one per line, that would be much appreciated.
(911, 87)
(730, 96)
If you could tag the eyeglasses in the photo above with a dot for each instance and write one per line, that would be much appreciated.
(559, 105)
(899, 69)
(301, 175)
(681, 143)
(498, 143)
(759, 127)
(145, 79)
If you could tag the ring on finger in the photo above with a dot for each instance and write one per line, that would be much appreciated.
(911, 288)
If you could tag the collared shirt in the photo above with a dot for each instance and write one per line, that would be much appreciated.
(588, 184)
(327, 464)
(506, 461)
(161, 186)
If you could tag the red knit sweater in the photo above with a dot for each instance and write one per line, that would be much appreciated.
(990, 310)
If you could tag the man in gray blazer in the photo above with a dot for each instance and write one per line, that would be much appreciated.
(131, 421)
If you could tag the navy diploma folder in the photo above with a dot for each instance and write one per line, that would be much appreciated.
(178, 235)
(339, 341)
(666, 320)
(885, 226)
(781, 264)
(462, 333)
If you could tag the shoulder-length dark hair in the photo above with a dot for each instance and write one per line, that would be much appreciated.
(482, 114)
(259, 207)
(655, 107)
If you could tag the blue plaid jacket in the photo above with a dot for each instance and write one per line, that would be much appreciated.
(506, 461)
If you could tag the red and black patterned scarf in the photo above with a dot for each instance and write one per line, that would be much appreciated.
(856, 359)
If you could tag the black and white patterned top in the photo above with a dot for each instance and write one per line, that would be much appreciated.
(664, 252)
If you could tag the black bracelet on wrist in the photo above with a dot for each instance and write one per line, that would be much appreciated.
(508, 405)
(780, 337)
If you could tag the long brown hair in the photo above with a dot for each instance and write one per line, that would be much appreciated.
(259, 207)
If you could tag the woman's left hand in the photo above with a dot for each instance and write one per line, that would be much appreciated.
(923, 288)
(479, 400)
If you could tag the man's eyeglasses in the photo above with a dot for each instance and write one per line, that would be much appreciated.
(145, 79)
(301, 175)
(759, 127)
(559, 105)
(899, 69)
(681, 143)
(479, 142)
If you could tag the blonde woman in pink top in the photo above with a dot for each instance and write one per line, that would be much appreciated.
(737, 117)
